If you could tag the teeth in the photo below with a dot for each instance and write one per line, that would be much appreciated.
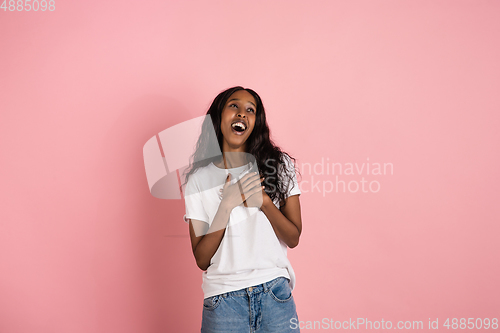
(241, 125)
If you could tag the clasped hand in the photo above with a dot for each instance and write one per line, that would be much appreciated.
(247, 190)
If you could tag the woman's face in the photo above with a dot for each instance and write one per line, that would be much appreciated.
(238, 120)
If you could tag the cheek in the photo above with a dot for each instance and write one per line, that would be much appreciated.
(225, 120)
(252, 130)
(254, 124)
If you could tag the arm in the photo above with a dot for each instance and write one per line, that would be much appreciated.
(205, 245)
(287, 223)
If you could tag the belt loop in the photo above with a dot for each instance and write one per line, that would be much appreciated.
(265, 286)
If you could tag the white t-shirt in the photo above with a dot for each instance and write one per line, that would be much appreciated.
(250, 253)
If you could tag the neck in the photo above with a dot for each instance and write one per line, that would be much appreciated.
(233, 159)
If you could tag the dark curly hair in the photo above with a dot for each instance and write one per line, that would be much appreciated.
(269, 157)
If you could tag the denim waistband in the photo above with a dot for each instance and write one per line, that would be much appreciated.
(255, 289)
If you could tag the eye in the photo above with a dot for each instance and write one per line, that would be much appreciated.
(233, 105)
(251, 110)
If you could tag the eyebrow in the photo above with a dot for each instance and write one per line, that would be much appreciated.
(237, 99)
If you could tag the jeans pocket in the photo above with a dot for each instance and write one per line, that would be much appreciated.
(210, 303)
(281, 291)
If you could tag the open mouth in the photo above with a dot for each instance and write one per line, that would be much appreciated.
(238, 127)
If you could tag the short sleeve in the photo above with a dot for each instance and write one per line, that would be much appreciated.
(194, 202)
(293, 188)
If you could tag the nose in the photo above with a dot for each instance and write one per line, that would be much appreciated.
(241, 114)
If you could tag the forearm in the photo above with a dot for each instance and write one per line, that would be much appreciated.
(285, 229)
(210, 242)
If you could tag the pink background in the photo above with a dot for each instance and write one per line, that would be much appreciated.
(84, 246)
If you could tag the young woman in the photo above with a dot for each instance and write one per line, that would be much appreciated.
(243, 211)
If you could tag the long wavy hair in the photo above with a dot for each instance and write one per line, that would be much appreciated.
(269, 157)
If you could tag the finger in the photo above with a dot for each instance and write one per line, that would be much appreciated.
(257, 190)
(255, 179)
(254, 183)
(254, 191)
(228, 180)
(255, 200)
(251, 179)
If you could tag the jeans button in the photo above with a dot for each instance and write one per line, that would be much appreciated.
(250, 289)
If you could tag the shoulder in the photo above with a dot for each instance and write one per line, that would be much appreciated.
(197, 176)
(287, 164)
(201, 171)
(287, 159)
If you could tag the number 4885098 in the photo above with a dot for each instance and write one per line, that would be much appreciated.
(471, 323)
(28, 5)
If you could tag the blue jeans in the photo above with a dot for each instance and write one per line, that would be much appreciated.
(268, 307)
